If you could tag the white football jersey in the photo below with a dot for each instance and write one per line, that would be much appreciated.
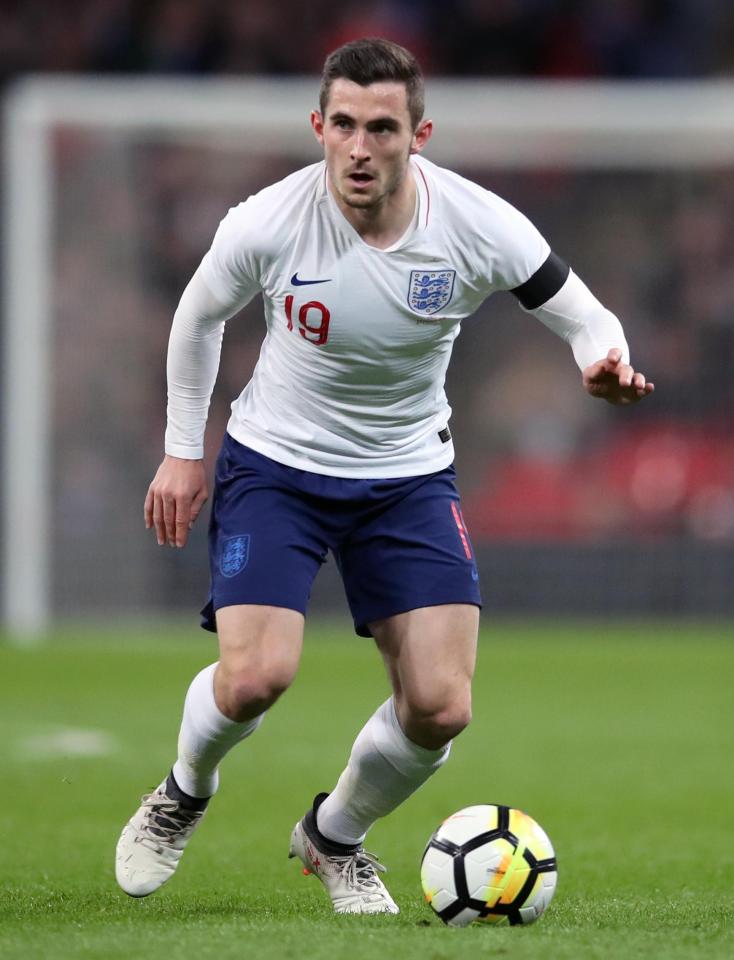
(350, 379)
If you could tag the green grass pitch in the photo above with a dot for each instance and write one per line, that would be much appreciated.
(617, 738)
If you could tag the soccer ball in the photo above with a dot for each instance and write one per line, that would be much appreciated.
(491, 864)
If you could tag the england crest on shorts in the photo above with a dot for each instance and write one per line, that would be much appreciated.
(235, 554)
(430, 290)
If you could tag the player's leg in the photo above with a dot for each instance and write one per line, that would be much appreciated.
(412, 583)
(430, 655)
(259, 651)
(260, 648)
(265, 549)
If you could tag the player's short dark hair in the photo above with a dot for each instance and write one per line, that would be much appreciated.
(372, 60)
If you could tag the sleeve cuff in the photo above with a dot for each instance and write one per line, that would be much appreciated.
(184, 452)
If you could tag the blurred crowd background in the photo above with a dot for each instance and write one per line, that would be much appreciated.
(560, 38)
(569, 501)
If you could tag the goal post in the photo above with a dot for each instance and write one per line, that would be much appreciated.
(510, 125)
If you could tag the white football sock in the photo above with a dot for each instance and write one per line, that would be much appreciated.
(384, 768)
(206, 736)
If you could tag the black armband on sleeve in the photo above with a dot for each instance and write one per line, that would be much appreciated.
(544, 283)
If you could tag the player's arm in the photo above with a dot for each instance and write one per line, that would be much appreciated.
(226, 280)
(179, 489)
(563, 302)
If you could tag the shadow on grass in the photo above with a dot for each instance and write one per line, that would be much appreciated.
(45, 905)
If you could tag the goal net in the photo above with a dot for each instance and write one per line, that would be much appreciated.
(113, 190)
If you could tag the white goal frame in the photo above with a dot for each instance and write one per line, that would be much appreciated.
(521, 125)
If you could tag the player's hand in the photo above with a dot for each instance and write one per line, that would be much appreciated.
(615, 381)
(174, 500)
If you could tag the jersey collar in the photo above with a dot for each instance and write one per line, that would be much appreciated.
(418, 223)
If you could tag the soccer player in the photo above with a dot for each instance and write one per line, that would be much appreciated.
(367, 262)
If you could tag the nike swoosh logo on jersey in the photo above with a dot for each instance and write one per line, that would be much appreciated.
(302, 283)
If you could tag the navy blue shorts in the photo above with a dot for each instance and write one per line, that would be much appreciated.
(399, 544)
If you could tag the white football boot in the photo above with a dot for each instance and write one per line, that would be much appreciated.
(153, 842)
(349, 874)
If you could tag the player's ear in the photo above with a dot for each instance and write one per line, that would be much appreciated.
(421, 136)
(317, 125)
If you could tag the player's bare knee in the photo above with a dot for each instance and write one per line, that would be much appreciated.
(245, 694)
(434, 727)
(447, 724)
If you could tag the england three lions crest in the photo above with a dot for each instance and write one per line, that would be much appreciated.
(235, 554)
(430, 290)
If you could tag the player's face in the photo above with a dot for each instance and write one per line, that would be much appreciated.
(368, 137)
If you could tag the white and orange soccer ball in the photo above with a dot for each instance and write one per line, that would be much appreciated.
(490, 864)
